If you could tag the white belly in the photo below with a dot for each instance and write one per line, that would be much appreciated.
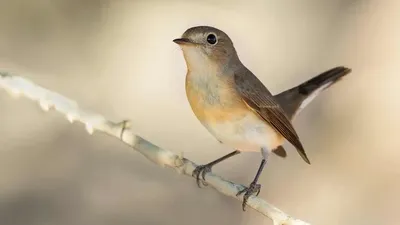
(247, 134)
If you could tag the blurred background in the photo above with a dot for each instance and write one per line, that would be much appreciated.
(117, 58)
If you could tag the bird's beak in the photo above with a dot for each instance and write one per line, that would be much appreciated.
(182, 41)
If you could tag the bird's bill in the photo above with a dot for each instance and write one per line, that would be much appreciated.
(183, 41)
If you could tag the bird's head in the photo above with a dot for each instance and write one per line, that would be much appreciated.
(204, 44)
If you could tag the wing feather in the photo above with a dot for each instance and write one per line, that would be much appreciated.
(259, 99)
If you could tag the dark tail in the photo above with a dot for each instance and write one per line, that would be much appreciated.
(298, 97)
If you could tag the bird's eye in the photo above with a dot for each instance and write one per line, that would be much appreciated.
(212, 39)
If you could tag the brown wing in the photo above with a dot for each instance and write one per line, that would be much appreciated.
(257, 96)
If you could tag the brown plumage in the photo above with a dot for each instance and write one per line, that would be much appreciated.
(259, 99)
(235, 106)
(299, 96)
(296, 98)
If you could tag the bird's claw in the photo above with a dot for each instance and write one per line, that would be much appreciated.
(249, 191)
(201, 170)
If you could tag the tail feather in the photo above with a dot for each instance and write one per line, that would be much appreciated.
(296, 98)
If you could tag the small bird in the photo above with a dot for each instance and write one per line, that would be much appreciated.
(235, 106)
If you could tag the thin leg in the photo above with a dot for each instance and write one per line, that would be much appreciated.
(203, 169)
(253, 187)
(260, 169)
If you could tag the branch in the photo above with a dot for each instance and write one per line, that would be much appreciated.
(47, 99)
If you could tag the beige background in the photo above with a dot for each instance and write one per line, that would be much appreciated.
(118, 58)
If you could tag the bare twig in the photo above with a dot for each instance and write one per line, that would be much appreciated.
(47, 99)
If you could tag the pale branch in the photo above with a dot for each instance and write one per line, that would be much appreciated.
(47, 99)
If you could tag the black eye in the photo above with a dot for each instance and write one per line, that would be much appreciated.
(212, 39)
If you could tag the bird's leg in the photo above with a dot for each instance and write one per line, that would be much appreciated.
(253, 188)
(203, 169)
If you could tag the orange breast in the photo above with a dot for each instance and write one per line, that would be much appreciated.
(222, 111)
(214, 100)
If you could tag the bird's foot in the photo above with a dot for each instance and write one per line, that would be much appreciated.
(201, 170)
(254, 188)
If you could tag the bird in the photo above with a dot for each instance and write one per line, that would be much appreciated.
(236, 107)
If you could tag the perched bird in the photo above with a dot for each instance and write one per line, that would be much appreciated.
(235, 106)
